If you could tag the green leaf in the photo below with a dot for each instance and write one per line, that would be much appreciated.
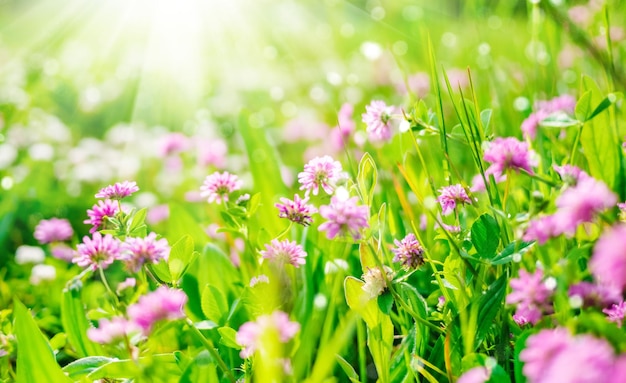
(518, 365)
(348, 369)
(379, 326)
(598, 141)
(162, 271)
(128, 368)
(229, 337)
(558, 120)
(485, 118)
(583, 107)
(75, 322)
(181, 256)
(35, 359)
(489, 304)
(507, 254)
(367, 177)
(385, 302)
(265, 169)
(137, 226)
(182, 223)
(214, 305)
(485, 236)
(84, 366)
(201, 369)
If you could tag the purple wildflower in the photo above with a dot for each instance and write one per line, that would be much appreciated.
(98, 251)
(297, 211)
(137, 251)
(162, 304)
(112, 331)
(283, 252)
(608, 262)
(616, 313)
(173, 143)
(377, 116)
(53, 230)
(508, 153)
(557, 356)
(594, 295)
(540, 229)
(63, 252)
(278, 323)
(344, 217)
(340, 135)
(450, 196)
(157, 214)
(570, 174)
(321, 172)
(259, 279)
(118, 191)
(218, 186)
(480, 374)
(98, 212)
(212, 152)
(545, 109)
(581, 203)
(531, 295)
(409, 252)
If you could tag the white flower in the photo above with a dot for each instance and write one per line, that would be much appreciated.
(375, 282)
(42, 273)
(29, 254)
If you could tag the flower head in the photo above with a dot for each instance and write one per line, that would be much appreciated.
(118, 191)
(594, 295)
(297, 211)
(570, 174)
(162, 304)
(63, 252)
(540, 229)
(608, 261)
(409, 252)
(99, 211)
(283, 252)
(321, 172)
(479, 374)
(251, 334)
(112, 331)
(556, 356)
(218, 186)
(53, 230)
(377, 117)
(344, 217)
(173, 143)
(137, 251)
(531, 295)
(41, 273)
(581, 203)
(98, 251)
(508, 153)
(450, 196)
(375, 283)
(616, 313)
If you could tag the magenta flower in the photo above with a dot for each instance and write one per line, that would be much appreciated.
(570, 174)
(157, 214)
(377, 117)
(98, 251)
(321, 172)
(112, 331)
(118, 191)
(531, 295)
(297, 211)
(284, 252)
(409, 252)
(63, 252)
(162, 304)
(53, 230)
(545, 109)
(541, 229)
(508, 153)
(556, 356)
(137, 251)
(595, 295)
(608, 261)
(344, 217)
(212, 152)
(250, 334)
(259, 279)
(479, 374)
(616, 313)
(580, 203)
(99, 211)
(450, 196)
(173, 143)
(218, 186)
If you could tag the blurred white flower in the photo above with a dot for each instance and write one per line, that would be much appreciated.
(29, 254)
(42, 273)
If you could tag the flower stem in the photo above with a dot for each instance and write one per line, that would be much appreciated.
(211, 349)
(108, 288)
